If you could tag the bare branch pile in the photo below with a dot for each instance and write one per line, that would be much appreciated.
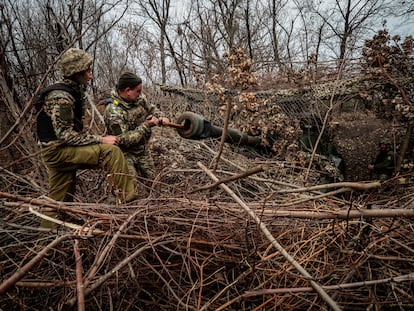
(175, 249)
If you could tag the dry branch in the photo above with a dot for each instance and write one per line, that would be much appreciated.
(353, 185)
(254, 170)
(49, 203)
(21, 272)
(79, 278)
(80, 228)
(397, 279)
(270, 237)
(337, 214)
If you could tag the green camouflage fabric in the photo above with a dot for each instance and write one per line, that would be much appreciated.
(78, 150)
(384, 163)
(74, 61)
(126, 120)
(59, 105)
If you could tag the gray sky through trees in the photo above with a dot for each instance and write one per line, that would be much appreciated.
(123, 35)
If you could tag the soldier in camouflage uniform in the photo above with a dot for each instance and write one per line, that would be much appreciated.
(65, 146)
(130, 116)
(383, 165)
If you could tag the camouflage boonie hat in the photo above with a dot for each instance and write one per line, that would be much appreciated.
(74, 61)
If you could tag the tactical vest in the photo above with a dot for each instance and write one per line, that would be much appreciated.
(45, 130)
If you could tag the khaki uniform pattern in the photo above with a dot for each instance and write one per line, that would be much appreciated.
(126, 120)
(60, 105)
(78, 150)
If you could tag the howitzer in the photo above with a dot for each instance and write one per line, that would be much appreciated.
(194, 126)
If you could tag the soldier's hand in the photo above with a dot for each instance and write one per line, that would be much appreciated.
(163, 121)
(370, 167)
(151, 121)
(110, 140)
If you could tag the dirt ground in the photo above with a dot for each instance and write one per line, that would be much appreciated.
(357, 138)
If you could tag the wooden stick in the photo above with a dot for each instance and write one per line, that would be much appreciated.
(20, 273)
(47, 202)
(316, 197)
(79, 281)
(401, 278)
(118, 267)
(43, 284)
(272, 240)
(353, 185)
(254, 170)
(88, 230)
(342, 215)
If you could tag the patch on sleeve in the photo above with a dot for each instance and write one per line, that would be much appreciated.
(116, 129)
(66, 112)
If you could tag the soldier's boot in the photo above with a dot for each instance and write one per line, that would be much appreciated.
(126, 197)
(47, 224)
(43, 236)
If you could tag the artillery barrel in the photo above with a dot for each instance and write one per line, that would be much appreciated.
(197, 127)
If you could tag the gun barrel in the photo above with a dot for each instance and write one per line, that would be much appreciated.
(196, 127)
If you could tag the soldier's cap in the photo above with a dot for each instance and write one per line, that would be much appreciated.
(128, 79)
(74, 61)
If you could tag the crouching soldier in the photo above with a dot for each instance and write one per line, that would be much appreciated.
(65, 146)
(130, 116)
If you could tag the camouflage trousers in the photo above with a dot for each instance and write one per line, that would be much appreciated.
(62, 163)
(141, 164)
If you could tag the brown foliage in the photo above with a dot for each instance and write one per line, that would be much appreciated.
(391, 60)
(250, 114)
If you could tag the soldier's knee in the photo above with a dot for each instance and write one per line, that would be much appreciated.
(112, 150)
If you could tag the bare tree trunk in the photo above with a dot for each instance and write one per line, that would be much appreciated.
(163, 56)
(275, 38)
(404, 147)
(249, 35)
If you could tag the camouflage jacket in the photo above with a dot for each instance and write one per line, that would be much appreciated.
(60, 106)
(126, 119)
(384, 163)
